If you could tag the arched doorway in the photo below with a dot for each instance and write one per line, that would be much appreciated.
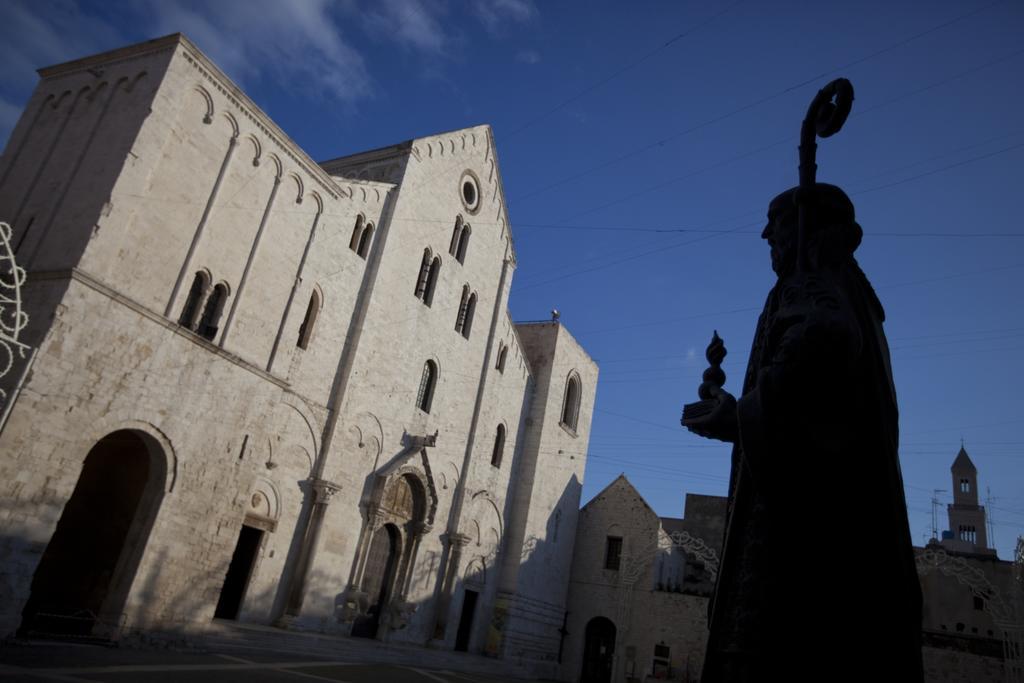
(598, 651)
(378, 577)
(82, 581)
(397, 516)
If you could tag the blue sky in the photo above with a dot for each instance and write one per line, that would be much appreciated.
(618, 120)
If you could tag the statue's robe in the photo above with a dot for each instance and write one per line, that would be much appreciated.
(817, 578)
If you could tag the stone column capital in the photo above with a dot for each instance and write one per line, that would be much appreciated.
(323, 490)
(458, 540)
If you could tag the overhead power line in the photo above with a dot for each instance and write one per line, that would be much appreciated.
(664, 248)
(656, 144)
(618, 72)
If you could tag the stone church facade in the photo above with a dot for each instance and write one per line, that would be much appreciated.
(273, 390)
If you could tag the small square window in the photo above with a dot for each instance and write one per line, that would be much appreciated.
(979, 603)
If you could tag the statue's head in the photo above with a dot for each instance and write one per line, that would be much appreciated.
(832, 232)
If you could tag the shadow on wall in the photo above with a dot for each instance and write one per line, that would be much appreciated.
(541, 573)
(88, 581)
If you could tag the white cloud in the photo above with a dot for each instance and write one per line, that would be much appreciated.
(296, 43)
(495, 13)
(302, 46)
(412, 23)
(528, 57)
(33, 36)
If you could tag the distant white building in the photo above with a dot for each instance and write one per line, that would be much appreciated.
(273, 390)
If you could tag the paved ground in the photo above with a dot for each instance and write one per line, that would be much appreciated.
(50, 661)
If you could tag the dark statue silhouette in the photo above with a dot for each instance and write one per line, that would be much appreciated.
(817, 580)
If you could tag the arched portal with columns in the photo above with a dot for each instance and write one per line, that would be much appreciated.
(399, 512)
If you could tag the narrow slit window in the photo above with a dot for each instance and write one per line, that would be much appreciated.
(499, 446)
(309, 321)
(194, 302)
(463, 245)
(212, 312)
(364, 241)
(502, 355)
(357, 235)
(613, 553)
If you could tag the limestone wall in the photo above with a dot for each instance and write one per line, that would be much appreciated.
(547, 488)
(643, 617)
(133, 171)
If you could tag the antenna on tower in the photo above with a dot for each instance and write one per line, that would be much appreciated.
(935, 513)
(988, 518)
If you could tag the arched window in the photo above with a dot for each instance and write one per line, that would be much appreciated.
(424, 276)
(194, 302)
(453, 248)
(502, 355)
(364, 242)
(460, 249)
(427, 384)
(571, 403)
(357, 234)
(211, 313)
(435, 270)
(460, 319)
(309, 321)
(467, 325)
(499, 446)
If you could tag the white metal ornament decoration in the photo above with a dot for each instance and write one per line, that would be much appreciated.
(1004, 610)
(12, 318)
(635, 564)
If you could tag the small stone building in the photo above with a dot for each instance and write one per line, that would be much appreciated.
(273, 390)
(639, 588)
(973, 617)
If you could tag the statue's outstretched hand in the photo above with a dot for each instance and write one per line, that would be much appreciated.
(714, 418)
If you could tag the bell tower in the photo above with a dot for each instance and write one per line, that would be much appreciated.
(966, 518)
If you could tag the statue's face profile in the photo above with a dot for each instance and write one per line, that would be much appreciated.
(781, 233)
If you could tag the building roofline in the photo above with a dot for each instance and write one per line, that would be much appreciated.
(625, 479)
(562, 328)
(386, 152)
(230, 89)
(135, 50)
(519, 343)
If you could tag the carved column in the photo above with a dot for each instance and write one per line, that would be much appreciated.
(456, 542)
(249, 261)
(322, 491)
(186, 267)
(374, 519)
(417, 531)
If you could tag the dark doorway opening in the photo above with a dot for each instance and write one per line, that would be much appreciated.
(83, 577)
(598, 651)
(466, 621)
(239, 573)
(381, 562)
